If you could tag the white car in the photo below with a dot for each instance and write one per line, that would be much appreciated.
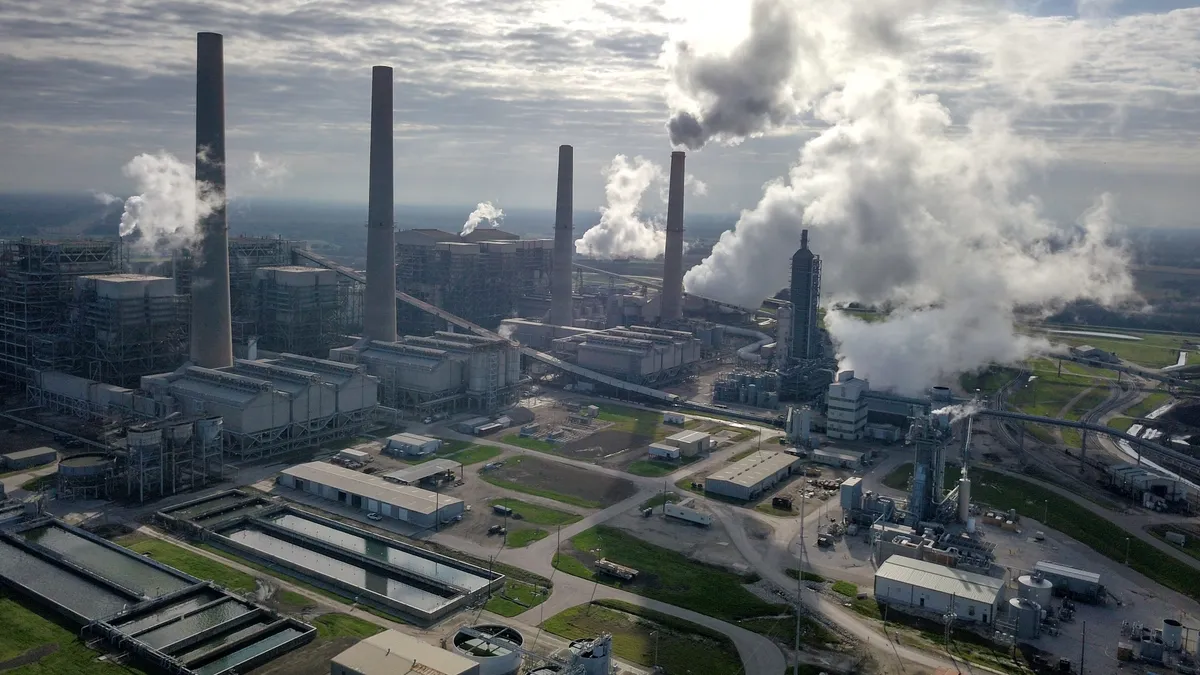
(374, 516)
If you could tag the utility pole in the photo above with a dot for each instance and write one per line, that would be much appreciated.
(800, 567)
(1127, 551)
(1082, 645)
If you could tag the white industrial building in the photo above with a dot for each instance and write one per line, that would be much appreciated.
(845, 459)
(1151, 488)
(690, 443)
(372, 494)
(663, 451)
(446, 372)
(271, 405)
(909, 584)
(636, 354)
(394, 653)
(749, 477)
(846, 413)
(24, 459)
(411, 445)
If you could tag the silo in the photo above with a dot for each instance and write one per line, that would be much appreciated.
(1035, 589)
(1026, 616)
(477, 371)
(1172, 634)
(964, 497)
(514, 365)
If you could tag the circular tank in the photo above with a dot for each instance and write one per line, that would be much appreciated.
(1035, 589)
(545, 670)
(1172, 632)
(1027, 617)
(94, 464)
(495, 655)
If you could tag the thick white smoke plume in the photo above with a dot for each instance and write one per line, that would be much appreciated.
(623, 232)
(908, 212)
(483, 211)
(162, 216)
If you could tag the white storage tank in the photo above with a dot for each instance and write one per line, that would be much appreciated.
(1172, 634)
(1035, 588)
(497, 654)
(1026, 615)
(595, 655)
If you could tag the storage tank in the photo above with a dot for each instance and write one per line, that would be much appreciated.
(83, 466)
(964, 497)
(1172, 634)
(1035, 588)
(496, 655)
(1026, 615)
(595, 655)
(546, 670)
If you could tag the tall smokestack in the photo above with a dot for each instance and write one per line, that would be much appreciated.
(379, 310)
(212, 329)
(672, 290)
(564, 240)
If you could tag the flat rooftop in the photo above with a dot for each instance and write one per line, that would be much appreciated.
(935, 577)
(31, 452)
(423, 471)
(1067, 571)
(411, 439)
(371, 487)
(688, 437)
(754, 469)
(394, 652)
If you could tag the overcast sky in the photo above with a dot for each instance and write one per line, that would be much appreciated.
(487, 89)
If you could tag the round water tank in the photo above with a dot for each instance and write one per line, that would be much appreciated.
(85, 465)
(1035, 589)
(546, 670)
(1027, 617)
(495, 654)
(1172, 634)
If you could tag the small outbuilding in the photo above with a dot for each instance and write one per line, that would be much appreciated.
(432, 472)
(926, 587)
(663, 451)
(845, 459)
(690, 443)
(394, 653)
(411, 445)
(25, 459)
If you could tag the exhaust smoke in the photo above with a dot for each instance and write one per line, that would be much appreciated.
(483, 211)
(909, 210)
(623, 232)
(162, 216)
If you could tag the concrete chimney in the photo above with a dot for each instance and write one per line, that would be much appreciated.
(212, 328)
(379, 308)
(561, 313)
(672, 289)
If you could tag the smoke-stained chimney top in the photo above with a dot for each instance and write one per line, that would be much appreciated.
(804, 239)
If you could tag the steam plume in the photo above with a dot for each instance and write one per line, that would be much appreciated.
(162, 216)
(908, 214)
(484, 211)
(267, 172)
(622, 231)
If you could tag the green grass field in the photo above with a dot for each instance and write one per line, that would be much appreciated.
(667, 576)
(641, 635)
(539, 492)
(652, 468)
(988, 381)
(845, 588)
(1148, 405)
(529, 443)
(516, 598)
(1154, 350)
(336, 625)
(463, 452)
(520, 537)
(1048, 392)
(33, 645)
(535, 514)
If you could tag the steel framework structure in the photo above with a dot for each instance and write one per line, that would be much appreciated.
(37, 281)
(122, 339)
(305, 320)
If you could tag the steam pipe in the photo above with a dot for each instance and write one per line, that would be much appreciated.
(212, 327)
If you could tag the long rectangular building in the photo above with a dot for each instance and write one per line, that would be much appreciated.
(749, 477)
(906, 583)
(372, 494)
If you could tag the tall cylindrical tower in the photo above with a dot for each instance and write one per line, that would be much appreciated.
(379, 299)
(672, 290)
(561, 313)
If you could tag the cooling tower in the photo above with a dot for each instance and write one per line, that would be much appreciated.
(212, 330)
(672, 289)
(379, 299)
(564, 240)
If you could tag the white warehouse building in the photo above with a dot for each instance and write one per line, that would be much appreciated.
(908, 584)
(846, 407)
(748, 478)
(372, 494)
(411, 444)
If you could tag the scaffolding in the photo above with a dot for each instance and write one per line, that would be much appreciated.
(127, 333)
(37, 280)
(246, 254)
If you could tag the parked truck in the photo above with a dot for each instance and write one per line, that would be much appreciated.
(613, 569)
(690, 515)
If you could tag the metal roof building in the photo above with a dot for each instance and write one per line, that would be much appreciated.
(394, 653)
(411, 444)
(690, 443)
(23, 459)
(909, 584)
(749, 477)
(372, 494)
(1077, 582)
(421, 472)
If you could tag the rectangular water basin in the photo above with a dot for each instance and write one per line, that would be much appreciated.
(248, 510)
(177, 630)
(248, 653)
(381, 550)
(348, 573)
(189, 604)
(197, 652)
(210, 505)
(128, 570)
(59, 584)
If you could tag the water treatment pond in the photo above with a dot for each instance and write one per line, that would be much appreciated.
(380, 550)
(248, 652)
(170, 611)
(197, 653)
(58, 584)
(305, 558)
(211, 505)
(250, 509)
(202, 620)
(128, 571)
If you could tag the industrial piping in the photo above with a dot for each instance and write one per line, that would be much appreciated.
(212, 326)
(672, 290)
(561, 313)
(379, 308)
